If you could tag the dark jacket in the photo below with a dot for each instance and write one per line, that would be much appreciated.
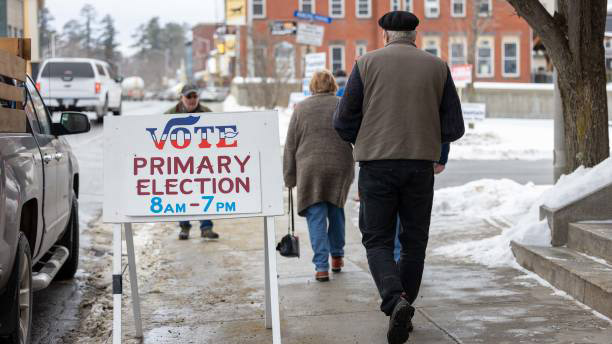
(399, 103)
(315, 157)
(179, 108)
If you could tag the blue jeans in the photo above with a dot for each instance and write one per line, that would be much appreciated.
(398, 246)
(325, 239)
(204, 224)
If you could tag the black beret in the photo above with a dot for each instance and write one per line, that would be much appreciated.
(399, 21)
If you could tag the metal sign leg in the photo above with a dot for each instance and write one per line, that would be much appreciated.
(129, 240)
(272, 307)
(117, 281)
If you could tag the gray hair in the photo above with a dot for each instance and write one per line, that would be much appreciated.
(403, 35)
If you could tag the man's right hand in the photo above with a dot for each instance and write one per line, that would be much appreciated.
(438, 168)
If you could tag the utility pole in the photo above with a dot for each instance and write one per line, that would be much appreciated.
(559, 154)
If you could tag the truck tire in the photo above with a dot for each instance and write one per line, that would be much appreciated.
(70, 240)
(16, 319)
(117, 111)
(103, 111)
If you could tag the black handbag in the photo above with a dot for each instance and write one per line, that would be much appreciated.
(289, 246)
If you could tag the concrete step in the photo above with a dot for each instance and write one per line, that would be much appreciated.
(593, 238)
(587, 280)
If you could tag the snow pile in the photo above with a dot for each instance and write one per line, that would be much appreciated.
(505, 139)
(231, 105)
(581, 183)
(514, 198)
(486, 197)
(284, 115)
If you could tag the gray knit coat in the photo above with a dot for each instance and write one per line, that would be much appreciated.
(315, 158)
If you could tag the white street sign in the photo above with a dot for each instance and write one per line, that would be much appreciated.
(309, 34)
(474, 111)
(314, 62)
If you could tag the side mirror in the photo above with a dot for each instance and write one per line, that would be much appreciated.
(72, 123)
(119, 79)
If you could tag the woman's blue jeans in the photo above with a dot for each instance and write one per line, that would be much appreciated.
(204, 224)
(326, 228)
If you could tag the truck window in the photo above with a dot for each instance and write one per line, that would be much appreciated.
(100, 69)
(68, 69)
(44, 123)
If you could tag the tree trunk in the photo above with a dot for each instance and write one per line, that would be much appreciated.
(574, 41)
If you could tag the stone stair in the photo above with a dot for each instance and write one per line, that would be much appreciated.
(580, 261)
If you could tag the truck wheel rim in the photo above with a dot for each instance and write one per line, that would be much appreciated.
(25, 299)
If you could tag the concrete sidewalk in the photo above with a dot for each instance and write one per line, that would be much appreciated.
(212, 292)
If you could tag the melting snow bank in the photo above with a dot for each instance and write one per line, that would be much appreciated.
(284, 115)
(492, 198)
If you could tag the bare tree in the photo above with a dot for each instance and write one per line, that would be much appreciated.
(574, 39)
(272, 68)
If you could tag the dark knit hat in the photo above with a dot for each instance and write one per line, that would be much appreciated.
(398, 21)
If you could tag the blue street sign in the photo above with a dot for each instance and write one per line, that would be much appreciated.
(312, 16)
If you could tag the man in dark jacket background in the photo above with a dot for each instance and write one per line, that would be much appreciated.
(400, 104)
(190, 103)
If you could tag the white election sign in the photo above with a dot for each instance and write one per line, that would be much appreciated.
(192, 166)
(314, 62)
(474, 111)
(310, 34)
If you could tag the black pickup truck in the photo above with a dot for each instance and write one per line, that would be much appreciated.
(39, 227)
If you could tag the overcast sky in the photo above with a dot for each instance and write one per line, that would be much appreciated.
(129, 14)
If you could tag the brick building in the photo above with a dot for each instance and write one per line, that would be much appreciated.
(500, 42)
(202, 44)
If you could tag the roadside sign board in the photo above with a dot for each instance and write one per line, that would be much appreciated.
(192, 166)
(310, 34)
(474, 111)
(462, 74)
(313, 62)
(279, 28)
(312, 16)
(235, 12)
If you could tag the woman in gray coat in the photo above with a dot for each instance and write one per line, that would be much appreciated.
(321, 164)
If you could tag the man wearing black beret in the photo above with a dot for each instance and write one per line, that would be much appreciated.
(399, 106)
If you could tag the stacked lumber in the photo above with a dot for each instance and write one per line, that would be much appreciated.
(14, 52)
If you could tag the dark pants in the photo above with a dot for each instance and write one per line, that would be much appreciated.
(388, 188)
(204, 224)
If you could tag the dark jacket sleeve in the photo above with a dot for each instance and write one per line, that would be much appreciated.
(444, 154)
(451, 117)
(348, 114)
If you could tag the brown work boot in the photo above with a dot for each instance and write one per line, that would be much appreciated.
(337, 264)
(184, 233)
(322, 276)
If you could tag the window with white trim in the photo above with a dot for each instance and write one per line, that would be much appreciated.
(484, 8)
(336, 8)
(457, 8)
(395, 5)
(432, 8)
(484, 57)
(284, 55)
(336, 60)
(408, 5)
(258, 9)
(432, 45)
(307, 6)
(457, 51)
(363, 9)
(511, 57)
(360, 49)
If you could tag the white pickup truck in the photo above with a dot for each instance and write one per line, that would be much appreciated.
(80, 84)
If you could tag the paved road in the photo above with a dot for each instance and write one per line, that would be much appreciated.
(459, 172)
